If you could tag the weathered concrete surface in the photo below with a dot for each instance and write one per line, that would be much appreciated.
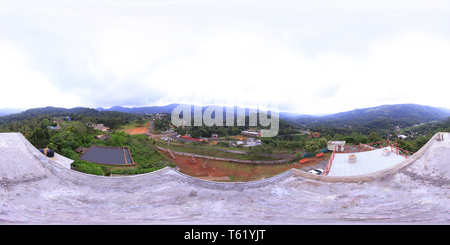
(61, 160)
(64, 196)
(18, 163)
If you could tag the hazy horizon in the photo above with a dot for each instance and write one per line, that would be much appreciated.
(317, 114)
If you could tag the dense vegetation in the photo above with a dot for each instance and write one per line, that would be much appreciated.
(379, 118)
(33, 124)
(353, 128)
(147, 158)
(206, 131)
(33, 117)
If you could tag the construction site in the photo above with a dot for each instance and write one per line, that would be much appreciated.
(361, 185)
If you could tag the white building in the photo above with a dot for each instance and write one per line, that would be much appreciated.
(252, 134)
(402, 136)
(253, 142)
(332, 143)
(101, 127)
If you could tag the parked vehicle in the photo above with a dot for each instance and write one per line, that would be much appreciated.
(316, 171)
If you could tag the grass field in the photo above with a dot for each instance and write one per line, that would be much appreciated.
(130, 126)
(207, 151)
(224, 148)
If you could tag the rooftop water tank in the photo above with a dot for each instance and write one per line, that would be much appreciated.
(50, 153)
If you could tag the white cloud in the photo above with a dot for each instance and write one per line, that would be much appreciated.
(409, 68)
(23, 87)
(126, 52)
(133, 54)
(229, 66)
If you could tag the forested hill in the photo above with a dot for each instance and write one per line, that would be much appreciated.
(147, 109)
(169, 108)
(385, 116)
(109, 118)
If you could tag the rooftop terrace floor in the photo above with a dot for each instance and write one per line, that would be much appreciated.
(366, 163)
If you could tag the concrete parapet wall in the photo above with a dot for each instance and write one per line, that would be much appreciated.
(160, 177)
(234, 185)
(237, 152)
(55, 171)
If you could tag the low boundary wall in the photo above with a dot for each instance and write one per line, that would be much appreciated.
(250, 162)
(221, 150)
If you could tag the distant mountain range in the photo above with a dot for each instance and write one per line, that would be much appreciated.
(171, 107)
(148, 109)
(405, 114)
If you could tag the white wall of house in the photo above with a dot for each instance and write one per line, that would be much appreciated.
(332, 143)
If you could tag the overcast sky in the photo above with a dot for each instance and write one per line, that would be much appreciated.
(308, 57)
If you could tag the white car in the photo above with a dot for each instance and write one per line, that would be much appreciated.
(316, 171)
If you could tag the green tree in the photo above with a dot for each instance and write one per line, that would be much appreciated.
(140, 122)
(322, 142)
(421, 141)
(181, 131)
(45, 122)
(63, 139)
(338, 137)
(373, 137)
(404, 145)
(118, 139)
(39, 137)
(311, 147)
(361, 139)
(71, 129)
(298, 156)
(25, 131)
(195, 134)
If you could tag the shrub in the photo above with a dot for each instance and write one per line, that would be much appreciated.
(299, 156)
(69, 153)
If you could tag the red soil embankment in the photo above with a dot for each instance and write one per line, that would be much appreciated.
(237, 171)
(139, 130)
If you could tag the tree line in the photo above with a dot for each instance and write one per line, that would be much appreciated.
(30, 119)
